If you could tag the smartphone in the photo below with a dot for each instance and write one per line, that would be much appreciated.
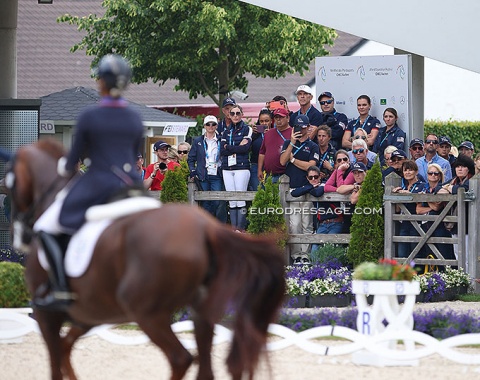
(297, 128)
(260, 128)
(274, 105)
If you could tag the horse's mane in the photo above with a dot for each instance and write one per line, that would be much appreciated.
(51, 147)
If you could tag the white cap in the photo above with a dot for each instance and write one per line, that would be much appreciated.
(210, 119)
(304, 88)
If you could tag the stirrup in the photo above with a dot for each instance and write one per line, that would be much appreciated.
(54, 301)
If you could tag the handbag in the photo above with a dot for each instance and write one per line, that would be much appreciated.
(449, 226)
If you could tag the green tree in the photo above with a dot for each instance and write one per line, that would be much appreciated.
(263, 222)
(208, 46)
(174, 186)
(367, 230)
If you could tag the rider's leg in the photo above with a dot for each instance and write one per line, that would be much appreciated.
(59, 297)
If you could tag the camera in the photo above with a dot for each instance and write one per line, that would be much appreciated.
(239, 94)
(162, 166)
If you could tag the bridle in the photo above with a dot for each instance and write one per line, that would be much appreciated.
(23, 221)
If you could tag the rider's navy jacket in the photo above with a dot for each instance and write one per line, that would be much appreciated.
(109, 135)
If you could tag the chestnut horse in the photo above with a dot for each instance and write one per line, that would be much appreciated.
(148, 265)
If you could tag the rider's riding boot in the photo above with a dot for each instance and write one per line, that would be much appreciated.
(59, 298)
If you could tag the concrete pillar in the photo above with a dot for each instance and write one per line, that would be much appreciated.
(8, 49)
(417, 94)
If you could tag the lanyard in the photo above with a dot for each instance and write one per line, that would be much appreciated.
(363, 125)
(386, 135)
(323, 158)
(306, 113)
(280, 134)
(405, 186)
(206, 149)
(299, 148)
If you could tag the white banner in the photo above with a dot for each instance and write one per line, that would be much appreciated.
(47, 127)
(385, 79)
(175, 130)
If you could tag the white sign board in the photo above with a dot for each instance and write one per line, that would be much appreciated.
(385, 79)
(175, 130)
(47, 127)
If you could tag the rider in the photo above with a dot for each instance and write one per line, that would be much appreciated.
(109, 135)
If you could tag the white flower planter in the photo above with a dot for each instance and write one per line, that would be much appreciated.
(385, 307)
(15, 323)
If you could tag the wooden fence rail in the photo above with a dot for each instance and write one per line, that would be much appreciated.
(392, 219)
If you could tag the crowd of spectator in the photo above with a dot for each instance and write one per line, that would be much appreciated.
(321, 151)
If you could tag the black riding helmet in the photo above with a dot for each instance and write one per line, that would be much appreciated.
(116, 73)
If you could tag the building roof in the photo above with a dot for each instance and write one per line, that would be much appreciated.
(45, 64)
(67, 104)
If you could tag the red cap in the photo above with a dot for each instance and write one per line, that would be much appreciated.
(280, 111)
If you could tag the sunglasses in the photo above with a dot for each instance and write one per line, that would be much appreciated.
(344, 159)
(238, 113)
(316, 176)
(417, 148)
(356, 151)
(212, 124)
(435, 142)
(183, 152)
(360, 137)
(433, 173)
(323, 102)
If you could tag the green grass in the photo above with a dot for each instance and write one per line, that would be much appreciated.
(469, 297)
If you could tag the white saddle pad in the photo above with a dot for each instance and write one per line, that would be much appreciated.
(80, 250)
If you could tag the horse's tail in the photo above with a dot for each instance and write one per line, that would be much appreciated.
(249, 276)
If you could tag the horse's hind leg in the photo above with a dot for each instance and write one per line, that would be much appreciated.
(157, 327)
(50, 325)
(204, 338)
(68, 341)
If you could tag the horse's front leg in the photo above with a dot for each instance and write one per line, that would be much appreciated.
(50, 324)
(75, 332)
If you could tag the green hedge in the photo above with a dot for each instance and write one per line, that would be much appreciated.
(13, 290)
(458, 131)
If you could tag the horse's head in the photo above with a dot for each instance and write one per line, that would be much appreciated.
(33, 182)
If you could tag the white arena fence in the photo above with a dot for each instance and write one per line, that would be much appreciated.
(14, 325)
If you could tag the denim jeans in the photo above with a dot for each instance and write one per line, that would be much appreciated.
(253, 182)
(404, 249)
(327, 228)
(211, 183)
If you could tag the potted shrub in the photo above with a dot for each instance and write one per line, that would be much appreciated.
(13, 289)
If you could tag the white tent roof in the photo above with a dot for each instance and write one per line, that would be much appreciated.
(437, 29)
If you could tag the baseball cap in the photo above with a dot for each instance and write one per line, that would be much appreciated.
(416, 141)
(466, 144)
(210, 119)
(280, 111)
(160, 144)
(304, 88)
(302, 121)
(326, 93)
(228, 102)
(398, 153)
(360, 166)
(444, 140)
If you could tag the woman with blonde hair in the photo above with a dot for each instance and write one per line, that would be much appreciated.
(387, 153)
(435, 177)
